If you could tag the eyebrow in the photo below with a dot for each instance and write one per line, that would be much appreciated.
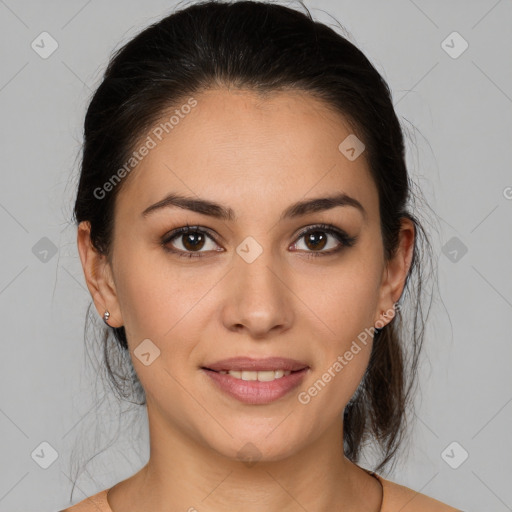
(218, 211)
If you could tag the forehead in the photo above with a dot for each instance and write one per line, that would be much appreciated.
(250, 152)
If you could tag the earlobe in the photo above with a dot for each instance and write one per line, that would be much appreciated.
(98, 277)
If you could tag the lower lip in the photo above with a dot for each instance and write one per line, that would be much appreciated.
(256, 392)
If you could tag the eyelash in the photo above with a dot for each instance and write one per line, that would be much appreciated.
(341, 236)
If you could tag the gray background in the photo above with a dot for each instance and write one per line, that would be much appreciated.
(458, 113)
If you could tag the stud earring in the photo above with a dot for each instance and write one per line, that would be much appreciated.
(106, 316)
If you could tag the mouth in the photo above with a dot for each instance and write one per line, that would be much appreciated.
(256, 381)
(248, 364)
(268, 375)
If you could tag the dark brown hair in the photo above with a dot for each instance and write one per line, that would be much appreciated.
(262, 47)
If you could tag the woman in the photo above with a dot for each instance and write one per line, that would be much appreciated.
(244, 234)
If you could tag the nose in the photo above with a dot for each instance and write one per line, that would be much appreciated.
(257, 297)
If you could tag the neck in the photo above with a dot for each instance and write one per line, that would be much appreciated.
(192, 476)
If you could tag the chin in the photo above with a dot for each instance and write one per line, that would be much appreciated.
(251, 448)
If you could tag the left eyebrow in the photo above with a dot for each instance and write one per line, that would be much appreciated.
(213, 209)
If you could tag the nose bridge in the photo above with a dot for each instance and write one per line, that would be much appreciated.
(256, 270)
(257, 298)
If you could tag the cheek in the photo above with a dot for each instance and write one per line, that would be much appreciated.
(152, 298)
(161, 305)
(335, 380)
(345, 299)
(345, 302)
(168, 305)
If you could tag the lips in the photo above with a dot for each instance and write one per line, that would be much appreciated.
(260, 391)
(250, 364)
(256, 392)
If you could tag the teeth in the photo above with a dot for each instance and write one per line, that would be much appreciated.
(262, 376)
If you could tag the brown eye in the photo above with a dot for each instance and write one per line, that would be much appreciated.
(191, 239)
(316, 239)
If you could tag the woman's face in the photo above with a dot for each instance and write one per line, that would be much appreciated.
(254, 286)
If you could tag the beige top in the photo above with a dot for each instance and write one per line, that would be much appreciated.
(395, 498)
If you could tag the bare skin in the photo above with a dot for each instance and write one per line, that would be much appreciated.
(256, 156)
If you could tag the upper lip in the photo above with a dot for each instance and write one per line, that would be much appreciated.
(247, 363)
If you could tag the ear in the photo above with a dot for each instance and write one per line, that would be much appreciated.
(98, 276)
(395, 274)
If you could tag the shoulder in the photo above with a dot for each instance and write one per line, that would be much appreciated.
(398, 497)
(95, 503)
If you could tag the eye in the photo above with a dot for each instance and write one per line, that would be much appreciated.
(316, 239)
(191, 238)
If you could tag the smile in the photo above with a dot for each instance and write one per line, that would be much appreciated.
(262, 376)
